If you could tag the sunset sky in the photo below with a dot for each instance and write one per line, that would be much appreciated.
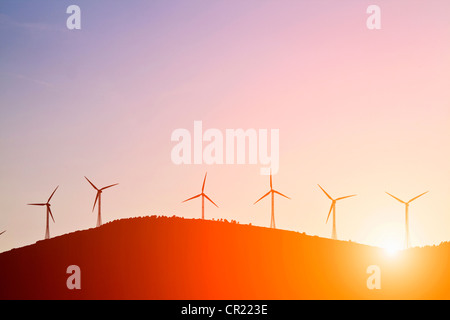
(359, 111)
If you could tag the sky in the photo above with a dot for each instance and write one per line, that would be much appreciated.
(358, 111)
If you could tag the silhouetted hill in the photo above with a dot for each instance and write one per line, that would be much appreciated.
(176, 258)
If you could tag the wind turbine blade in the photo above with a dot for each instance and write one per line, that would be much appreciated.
(396, 198)
(417, 197)
(204, 180)
(2, 232)
(52, 194)
(37, 204)
(353, 195)
(263, 196)
(210, 200)
(271, 187)
(326, 193)
(95, 202)
(192, 197)
(331, 208)
(51, 215)
(109, 186)
(91, 183)
(281, 194)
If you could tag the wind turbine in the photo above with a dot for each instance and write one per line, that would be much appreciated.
(203, 195)
(407, 240)
(2, 232)
(49, 213)
(272, 192)
(333, 208)
(99, 198)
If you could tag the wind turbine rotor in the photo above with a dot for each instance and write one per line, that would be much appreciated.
(331, 209)
(193, 197)
(91, 183)
(210, 200)
(52, 194)
(353, 195)
(108, 186)
(51, 215)
(279, 193)
(204, 181)
(271, 184)
(263, 197)
(329, 197)
(96, 198)
(417, 197)
(396, 198)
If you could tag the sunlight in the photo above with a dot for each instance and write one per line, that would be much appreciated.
(389, 235)
(391, 250)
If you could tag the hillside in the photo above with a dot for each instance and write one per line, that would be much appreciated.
(176, 258)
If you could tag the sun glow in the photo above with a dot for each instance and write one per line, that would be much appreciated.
(391, 249)
(391, 244)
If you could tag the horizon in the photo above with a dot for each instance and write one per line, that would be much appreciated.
(387, 251)
(358, 111)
